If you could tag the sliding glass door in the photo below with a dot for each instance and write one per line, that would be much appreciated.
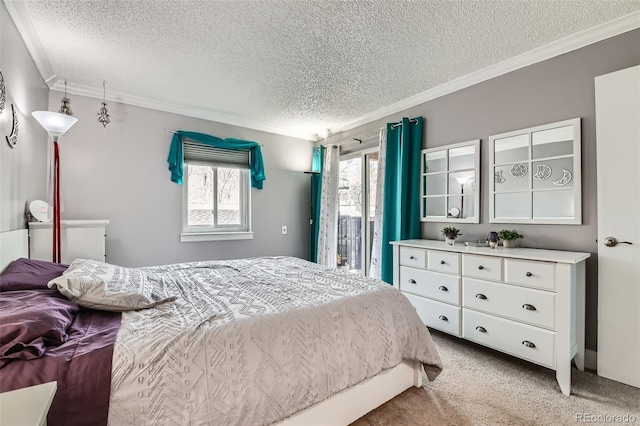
(357, 195)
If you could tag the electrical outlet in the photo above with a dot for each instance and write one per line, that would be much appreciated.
(284, 229)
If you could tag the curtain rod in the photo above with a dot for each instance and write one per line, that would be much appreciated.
(399, 123)
(174, 132)
(368, 136)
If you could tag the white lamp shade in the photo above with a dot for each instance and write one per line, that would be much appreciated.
(54, 123)
(462, 180)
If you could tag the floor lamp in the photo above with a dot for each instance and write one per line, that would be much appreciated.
(56, 125)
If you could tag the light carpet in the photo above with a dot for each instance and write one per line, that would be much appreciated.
(480, 386)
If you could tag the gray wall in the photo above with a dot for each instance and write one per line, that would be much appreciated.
(120, 173)
(23, 168)
(553, 90)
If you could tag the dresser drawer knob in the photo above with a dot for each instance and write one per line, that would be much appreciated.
(412, 281)
(529, 274)
(442, 262)
(481, 329)
(480, 267)
(443, 288)
(528, 307)
(528, 344)
(443, 318)
(412, 257)
(481, 296)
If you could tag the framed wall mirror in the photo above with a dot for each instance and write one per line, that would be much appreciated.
(536, 175)
(450, 183)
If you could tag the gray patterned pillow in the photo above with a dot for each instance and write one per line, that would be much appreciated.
(106, 287)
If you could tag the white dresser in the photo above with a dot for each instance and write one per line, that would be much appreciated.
(529, 303)
(79, 238)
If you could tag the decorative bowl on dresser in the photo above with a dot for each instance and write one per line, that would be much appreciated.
(529, 303)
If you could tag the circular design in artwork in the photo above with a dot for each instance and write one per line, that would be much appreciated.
(543, 172)
(3, 93)
(498, 177)
(519, 170)
(12, 139)
(566, 178)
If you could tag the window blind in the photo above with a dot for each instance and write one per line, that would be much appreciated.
(194, 151)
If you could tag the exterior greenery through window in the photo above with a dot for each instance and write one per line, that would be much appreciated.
(216, 199)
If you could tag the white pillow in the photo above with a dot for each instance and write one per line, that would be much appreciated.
(106, 287)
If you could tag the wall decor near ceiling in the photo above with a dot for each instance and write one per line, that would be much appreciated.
(65, 108)
(448, 180)
(103, 112)
(3, 94)
(551, 193)
(12, 139)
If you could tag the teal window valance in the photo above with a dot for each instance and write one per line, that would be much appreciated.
(176, 154)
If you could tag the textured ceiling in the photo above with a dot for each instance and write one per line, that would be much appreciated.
(301, 66)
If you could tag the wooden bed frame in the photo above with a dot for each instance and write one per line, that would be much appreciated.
(340, 409)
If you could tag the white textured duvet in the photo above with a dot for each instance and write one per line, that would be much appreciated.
(254, 341)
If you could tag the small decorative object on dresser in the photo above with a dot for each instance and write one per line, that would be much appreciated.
(529, 303)
(509, 238)
(450, 234)
(493, 239)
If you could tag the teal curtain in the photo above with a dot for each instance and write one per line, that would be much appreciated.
(401, 205)
(316, 195)
(176, 157)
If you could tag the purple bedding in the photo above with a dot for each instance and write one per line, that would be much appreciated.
(44, 337)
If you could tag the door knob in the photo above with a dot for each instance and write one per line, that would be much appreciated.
(613, 241)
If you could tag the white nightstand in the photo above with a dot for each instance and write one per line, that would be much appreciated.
(80, 239)
(27, 406)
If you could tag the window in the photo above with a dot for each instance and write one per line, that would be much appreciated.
(216, 195)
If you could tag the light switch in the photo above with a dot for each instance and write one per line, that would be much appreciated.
(284, 229)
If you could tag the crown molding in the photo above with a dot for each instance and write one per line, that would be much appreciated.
(559, 47)
(18, 12)
(97, 93)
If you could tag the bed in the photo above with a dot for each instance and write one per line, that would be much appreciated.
(272, 340)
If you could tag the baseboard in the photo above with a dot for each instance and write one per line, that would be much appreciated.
(591, 359)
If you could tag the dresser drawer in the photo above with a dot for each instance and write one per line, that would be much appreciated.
(530, 274)
(415, 257)
(442, 261)
(524, 341)
(535, 307)
(485, 267)
(437, 315)
(434, 285)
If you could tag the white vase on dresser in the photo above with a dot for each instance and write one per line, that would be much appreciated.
(529, 303)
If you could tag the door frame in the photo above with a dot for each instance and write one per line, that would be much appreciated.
(365, 252)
